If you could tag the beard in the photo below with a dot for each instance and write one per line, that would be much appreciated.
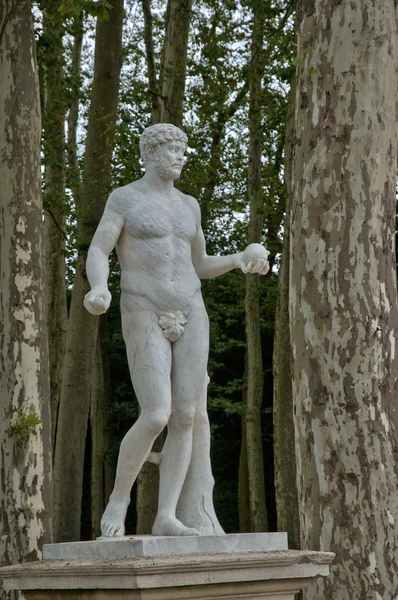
(164, 170)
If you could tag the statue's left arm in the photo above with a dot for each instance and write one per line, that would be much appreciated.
(207, 267)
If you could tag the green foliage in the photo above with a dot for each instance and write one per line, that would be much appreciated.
(298, 62)
(72, 8)
(24, 423)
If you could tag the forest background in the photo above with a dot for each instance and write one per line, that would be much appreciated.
(291, 113)
(217, 41)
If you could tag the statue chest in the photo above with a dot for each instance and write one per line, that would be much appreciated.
(149, 219)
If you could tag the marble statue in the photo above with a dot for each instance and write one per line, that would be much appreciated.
(161, 249)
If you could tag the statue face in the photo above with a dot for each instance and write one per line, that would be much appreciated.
(168, 159)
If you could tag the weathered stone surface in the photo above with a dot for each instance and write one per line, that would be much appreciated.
(269, 575)
(146, 545)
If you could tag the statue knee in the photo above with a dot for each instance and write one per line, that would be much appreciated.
(183, 418)
(156, 421)
(202, 418)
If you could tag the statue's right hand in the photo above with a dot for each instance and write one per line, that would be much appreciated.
(98, 300)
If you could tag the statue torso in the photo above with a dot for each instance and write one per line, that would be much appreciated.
(154, 251)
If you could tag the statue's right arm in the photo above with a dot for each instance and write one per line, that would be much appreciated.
(97, 301)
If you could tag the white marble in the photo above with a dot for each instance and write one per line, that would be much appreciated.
(151, 545)
(161, 249)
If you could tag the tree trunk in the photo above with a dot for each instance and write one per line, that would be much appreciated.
(110, 457)
(243, 479)
(284, 444)
(150, 61)
(343, 296)
(258, 510)
(25, 448)
(214, 164)
(52, 58)
(73, 172)
(97, 420)
(82, 327)
(103, 466)
(174, 61)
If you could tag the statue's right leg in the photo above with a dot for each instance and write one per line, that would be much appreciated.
(149, 356)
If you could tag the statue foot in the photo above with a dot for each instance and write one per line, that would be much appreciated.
(112, 522)
(165, 525)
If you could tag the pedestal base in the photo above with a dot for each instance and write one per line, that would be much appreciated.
(136, 546)
(240, 575)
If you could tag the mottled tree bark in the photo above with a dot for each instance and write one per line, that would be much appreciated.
(25, 451)
(284, 443)
(82, 327)
(343, 295)
(255, 469)
(54, 158)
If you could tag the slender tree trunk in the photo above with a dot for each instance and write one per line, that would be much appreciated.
(150, 61)
(148, 492)
(82, 327)
(110, 457)
(258, 510)
(174, 61)
(243, 478)
(52, 59)
(167, 90)
(103, 467)
(213, 166)
(25, 449)
(343, 294)
(73, 172)
(97, 420)
(284, 444)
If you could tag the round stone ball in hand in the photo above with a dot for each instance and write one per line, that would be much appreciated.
(98, 303)
(254, 253)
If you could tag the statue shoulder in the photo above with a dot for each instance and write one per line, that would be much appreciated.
(192, 203)
(122, 198)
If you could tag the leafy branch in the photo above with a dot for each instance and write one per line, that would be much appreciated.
(22, 425)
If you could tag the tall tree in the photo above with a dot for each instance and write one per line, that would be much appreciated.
(25, 436)
(82, 327)
(254, 394)
(284, 444)
(343, 293)
(52, 52)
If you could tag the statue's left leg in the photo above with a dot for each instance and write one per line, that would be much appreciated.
(195, 506)
(189, 366)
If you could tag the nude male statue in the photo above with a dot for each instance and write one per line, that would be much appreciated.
(161, 249)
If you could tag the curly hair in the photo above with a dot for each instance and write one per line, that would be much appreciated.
(155, 135)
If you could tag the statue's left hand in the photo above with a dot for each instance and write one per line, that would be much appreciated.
(261, 267)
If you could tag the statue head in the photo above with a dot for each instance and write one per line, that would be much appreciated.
(155, 141)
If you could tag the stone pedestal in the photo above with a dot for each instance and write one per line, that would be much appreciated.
(135, 546)
(236, 574)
